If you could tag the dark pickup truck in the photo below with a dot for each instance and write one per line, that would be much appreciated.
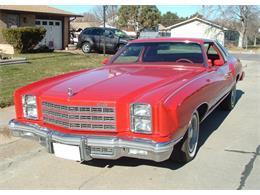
(93, 39)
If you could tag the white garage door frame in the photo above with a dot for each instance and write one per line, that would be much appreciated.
(53, 36)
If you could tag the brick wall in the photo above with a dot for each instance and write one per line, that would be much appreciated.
(24, 20)
(2, 25)
(27, 20)
(66, 32)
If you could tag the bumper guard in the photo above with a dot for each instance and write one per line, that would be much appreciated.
(102, 147)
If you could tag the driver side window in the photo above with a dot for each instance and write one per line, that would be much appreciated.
(108, 33)
(212, 53)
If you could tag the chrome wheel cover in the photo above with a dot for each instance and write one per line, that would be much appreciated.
(193, 135)
(86, 48)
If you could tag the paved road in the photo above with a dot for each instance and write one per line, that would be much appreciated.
(228, 158)
(250, 57)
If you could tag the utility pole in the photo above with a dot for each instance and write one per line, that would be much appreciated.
(104, 23)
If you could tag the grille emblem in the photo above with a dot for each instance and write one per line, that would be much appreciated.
(70, 92)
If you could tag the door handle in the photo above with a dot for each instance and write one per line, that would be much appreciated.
(228, 75)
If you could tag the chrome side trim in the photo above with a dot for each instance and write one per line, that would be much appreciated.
(183, 86)
(156, 151)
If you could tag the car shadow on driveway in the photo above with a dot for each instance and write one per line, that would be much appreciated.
(208, 126)
(213, 121)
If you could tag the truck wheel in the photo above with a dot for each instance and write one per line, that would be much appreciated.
(186, 149)
(86, 47)
(230, 101)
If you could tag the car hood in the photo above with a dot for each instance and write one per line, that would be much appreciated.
(113, 82)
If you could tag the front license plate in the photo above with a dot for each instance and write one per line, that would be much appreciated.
(66, 151)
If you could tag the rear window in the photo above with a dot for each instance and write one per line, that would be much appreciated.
(179, 52)
(88, 31)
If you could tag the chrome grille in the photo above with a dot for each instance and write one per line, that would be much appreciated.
(80, 117)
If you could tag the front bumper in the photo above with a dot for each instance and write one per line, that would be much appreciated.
(90, 146)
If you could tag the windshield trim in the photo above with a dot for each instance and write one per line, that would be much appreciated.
(114, 32)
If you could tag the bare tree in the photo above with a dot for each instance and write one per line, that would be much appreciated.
(239, 17)
(111, 14)
(87, 17)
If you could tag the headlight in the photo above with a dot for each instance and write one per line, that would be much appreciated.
(141, 118)
(29, 107)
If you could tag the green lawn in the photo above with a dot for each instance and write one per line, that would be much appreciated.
(41, 66)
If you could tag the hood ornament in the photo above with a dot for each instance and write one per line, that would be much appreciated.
(70, 92)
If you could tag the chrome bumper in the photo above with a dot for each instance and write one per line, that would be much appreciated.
(102, 147)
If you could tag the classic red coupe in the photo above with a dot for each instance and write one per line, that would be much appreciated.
(146, 102)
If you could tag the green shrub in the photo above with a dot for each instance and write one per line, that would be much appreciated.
(23, 39)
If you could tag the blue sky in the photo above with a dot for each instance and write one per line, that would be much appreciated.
(181, 10)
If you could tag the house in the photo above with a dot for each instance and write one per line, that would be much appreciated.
(55, 21)
(77, 26)
(197, 28)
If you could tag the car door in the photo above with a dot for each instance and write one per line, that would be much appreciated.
(97, 37)
(221, 75)
(228, 69)
(110, 40)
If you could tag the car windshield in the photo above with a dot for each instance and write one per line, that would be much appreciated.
(119, 33)
(179, 52)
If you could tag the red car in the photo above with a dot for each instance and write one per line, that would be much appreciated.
(146, 102)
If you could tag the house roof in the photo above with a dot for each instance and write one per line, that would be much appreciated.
(195, 19)
(83, 25)
(37, 9)
(161, 27)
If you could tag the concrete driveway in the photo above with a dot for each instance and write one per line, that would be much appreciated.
(228, 157)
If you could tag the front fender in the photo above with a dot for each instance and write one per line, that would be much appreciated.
(180, 105)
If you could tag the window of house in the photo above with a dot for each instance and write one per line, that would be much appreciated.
(51, 23)
(57, 23)
(44, 22)
(12, 20)
(24, 20)
(37, 22)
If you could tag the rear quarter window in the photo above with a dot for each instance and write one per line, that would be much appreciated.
(87, 31)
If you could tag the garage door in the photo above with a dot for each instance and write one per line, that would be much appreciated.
(53, 37)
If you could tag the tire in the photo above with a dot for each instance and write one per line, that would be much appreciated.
(86, 47)
(230, 101)
(186, 149)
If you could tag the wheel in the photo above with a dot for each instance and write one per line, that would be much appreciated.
(230, 101)
(186, 149)
(86, 47)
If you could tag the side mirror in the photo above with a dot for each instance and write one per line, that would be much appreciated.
(218, 62)
(105, 61)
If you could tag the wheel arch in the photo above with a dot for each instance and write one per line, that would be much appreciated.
(237, 78)
(88, 40)
(202, 110)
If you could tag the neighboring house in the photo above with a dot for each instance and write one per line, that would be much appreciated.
(197, 28)
(55, 21)
(75, 26)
